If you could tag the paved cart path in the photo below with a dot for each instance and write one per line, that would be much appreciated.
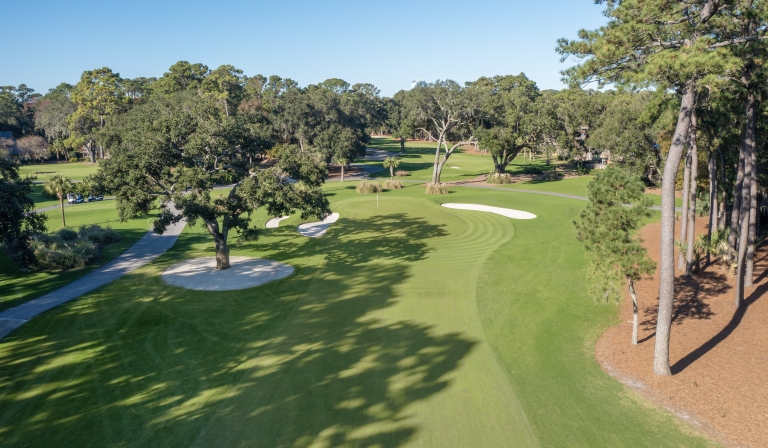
(149, 247)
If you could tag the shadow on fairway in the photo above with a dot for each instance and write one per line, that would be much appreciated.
(305, 360)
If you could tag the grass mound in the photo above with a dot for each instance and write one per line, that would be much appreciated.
(496, 178)
(368, 187)
(68, 249)
(401, 173)
(437, 189)
(393, 185)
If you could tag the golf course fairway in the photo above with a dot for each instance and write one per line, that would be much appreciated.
(407, 324)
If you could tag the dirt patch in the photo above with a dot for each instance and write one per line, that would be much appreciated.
(719, 354)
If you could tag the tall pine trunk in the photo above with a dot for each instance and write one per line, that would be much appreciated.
(713, 212)
(684, 213)
(667, 258)
(752, 232)
(692, 190)
(736, 210)
(61, 203)
(631, 286)
(744, 215)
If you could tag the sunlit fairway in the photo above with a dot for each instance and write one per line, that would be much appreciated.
(405, 325)
(74, 171)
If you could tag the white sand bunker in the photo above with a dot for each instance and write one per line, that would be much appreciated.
(508, 212)
(316, 229)
(201, 273)
(275, 222)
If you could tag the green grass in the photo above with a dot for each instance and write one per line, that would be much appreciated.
(408, 324)
(18, 286)
(74, 171)
(419, 158)
(41, 200)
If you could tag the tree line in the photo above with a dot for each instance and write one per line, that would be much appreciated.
(709, 55)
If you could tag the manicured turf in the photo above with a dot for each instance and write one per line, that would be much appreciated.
(407, 324)
(17, 286)
(419, 158)
(74, 171)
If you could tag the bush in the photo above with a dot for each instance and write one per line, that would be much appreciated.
(552, 175)
(437, 189)
(532, 170)
(368, 187)
(65, 234)
(393, 185)
(496, 178)
(67, 249)
(98, 235)
(402, 173)
(75, 159)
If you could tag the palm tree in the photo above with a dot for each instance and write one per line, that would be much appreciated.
(342, 161)
(391, 163)
(59, 186)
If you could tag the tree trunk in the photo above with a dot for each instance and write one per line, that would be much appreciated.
(222, 253)
(692, 190)
(61, 202)
(402, 144)
(713, 214)
(667, 259)
(752, 232)
(737, 193)
(342, 173)
(744, 218)
(684, 213)
(631, 285)
(391, 172)
(435, 175)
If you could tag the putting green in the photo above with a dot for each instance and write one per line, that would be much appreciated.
(407, 324)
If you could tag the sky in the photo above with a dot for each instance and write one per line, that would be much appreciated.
(385, 43)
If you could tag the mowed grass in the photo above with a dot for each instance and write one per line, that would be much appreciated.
(44, 171)
(408, 324)
(18, 286)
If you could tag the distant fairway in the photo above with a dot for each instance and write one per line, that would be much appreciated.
(405, 325)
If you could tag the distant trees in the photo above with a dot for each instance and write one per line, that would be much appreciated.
(445, 111)
(98, 97)
(33, 148)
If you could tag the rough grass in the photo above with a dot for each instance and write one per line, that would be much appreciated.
(407, 324)
(393, 185)
(365, 187)
(499, 179)
(401, 173)
(437, 189)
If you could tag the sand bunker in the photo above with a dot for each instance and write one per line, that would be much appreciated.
(316, 229)
(275, 222)
(201, 273)
(508, 212)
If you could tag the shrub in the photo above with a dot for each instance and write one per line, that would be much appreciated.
(65, 234)
(532, 170)
(402, 173)
(67, 249)
(368, 187)
(552, 175)
(496, 178)
(75, 159)
(393, 185)
(437, 189)
(98, 235)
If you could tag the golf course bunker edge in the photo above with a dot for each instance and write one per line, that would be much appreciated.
(508, 212)
(318, 229)
(201, 274)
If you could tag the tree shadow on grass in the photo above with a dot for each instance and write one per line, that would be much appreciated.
(302, 361)
(690, 300)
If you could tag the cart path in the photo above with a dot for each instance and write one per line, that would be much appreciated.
(149, 247)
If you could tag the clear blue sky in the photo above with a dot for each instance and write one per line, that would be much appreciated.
(386, 43)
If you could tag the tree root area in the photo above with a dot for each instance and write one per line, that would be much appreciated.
(718, 353)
